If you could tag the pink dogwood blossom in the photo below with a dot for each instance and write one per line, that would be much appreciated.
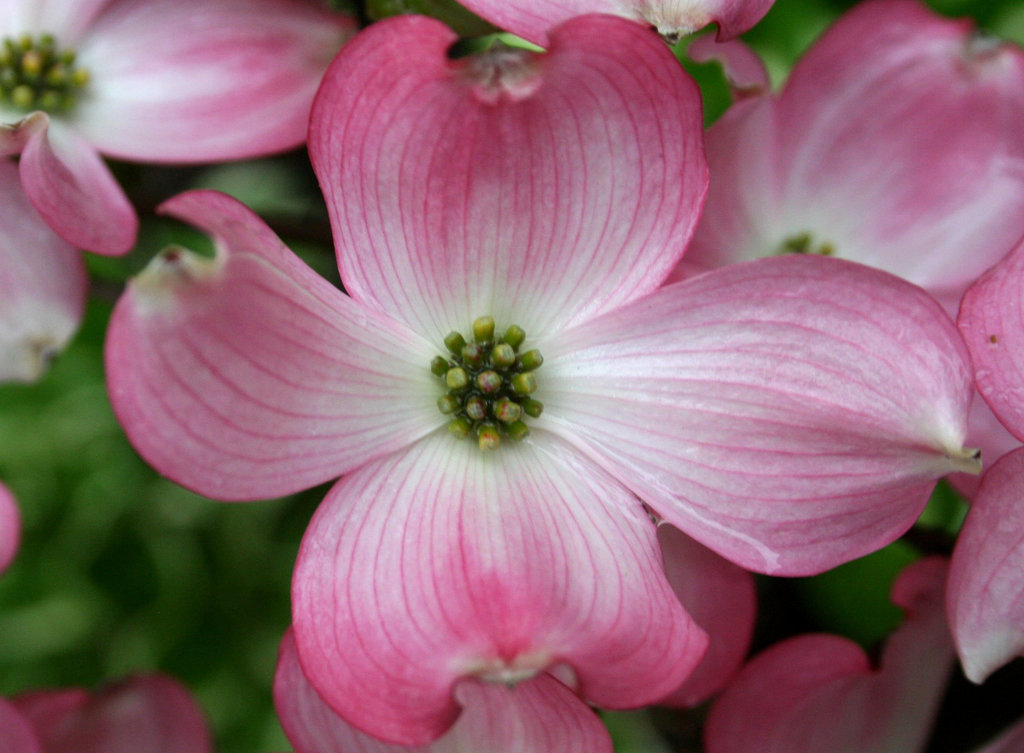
(896, 142)
(42, 285)
(531, 19)
(820, 694)
(537, 716)
(790, 414)
(10, 527)
(150, 81)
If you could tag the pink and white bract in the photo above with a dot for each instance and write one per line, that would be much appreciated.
(820, 694)
(537, 716)
(532, 19)
(790, 414)
(42, 285)
(151, 81)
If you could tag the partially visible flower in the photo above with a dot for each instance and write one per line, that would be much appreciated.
(146, 714)
(42, 285)
(537, 716)
(791, 413)
(152, 81)
(10, 527)
(820, 694)
(896, 142)
(532, 19)
(16, 732)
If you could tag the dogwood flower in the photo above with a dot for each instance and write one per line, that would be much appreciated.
(10, 527)
(537, 716)
(150, 81)
(507, 378)
(531, 19)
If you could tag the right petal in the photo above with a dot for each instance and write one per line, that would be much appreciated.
(248, 376)
(537, 716)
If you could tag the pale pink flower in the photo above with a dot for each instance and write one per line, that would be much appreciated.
(532, 19)
(820, 693)
(146, 714)
(896, 142)
(10, 527)
(152, 81)
(537, 716)
(790, 414)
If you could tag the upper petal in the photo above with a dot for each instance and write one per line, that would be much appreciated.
(440, 563)
(203, 80)
(541, 189)
(247, 375)
(42, 285)
(791, 413)
(63, 19)
(986, 580)
(537, 716)
(10, 527)
(819, 693)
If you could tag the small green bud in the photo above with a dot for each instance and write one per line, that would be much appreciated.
(22, 97)
(488, 437)
(456, 378)
(517, 430)
(488, 381)
(524, 384)
(507, 411)
(533, 408)
(483, 329)
(472, 355)
(531, 359)
(514, 336)
(459, 428)
(476, 408)
(454, 342)
(448, 404)
(503, 355)
(439, 366)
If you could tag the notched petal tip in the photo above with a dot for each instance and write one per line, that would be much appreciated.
(501, 72)
(170, 272)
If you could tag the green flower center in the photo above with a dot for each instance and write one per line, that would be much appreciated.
(37, 75)
(804, 243)
(489, 384)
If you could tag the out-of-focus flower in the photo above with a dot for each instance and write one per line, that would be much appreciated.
(147, 714)
(820, 694)
(10, 527)
(532, 19)
(986, 592)
(42, 285)
(150, 81)
(791, 414)
(537, 716)
(896, 142)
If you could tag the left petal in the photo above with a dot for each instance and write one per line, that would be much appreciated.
(10, 527)
(540, 189)
(42, 285)
(439, 564)
(176, 81)
(986, 580)
(537, 716)
(818, 693)
(148, 714)
(790, 413)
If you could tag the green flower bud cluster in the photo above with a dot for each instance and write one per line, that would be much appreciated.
(36, 75)
(489, 384)
(804, 244)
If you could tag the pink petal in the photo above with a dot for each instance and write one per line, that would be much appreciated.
(10, 527)
(819, 693)
(204, 80)
(436, 564)
(248, 376)
(540, 189)
(790, 413)
(896, 141)
(986, 581)
(537, 716)
(532, 19)
(722, 600)
(16, 733)
(71, 188)
(65, 20)
(991, 318)
(42, 285)
(151, 714)
(743, 69)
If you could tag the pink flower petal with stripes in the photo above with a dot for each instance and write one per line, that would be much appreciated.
(436, 565)
(774, 410)
(817, 693)
(16, 732)
(248, 376)
(537, 716)
(10, 527)
(542, 189)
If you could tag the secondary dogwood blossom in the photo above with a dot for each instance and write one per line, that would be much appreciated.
(531, 19)
(10, 527)
(509, 378)
(151, 81)
(820, 694)
(147, 714)
(986, 592)
(42, 285)
(896, 142)
(537, 716)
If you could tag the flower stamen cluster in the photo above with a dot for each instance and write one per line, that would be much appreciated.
(489, 384)
(37, 75)
(804, 243)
